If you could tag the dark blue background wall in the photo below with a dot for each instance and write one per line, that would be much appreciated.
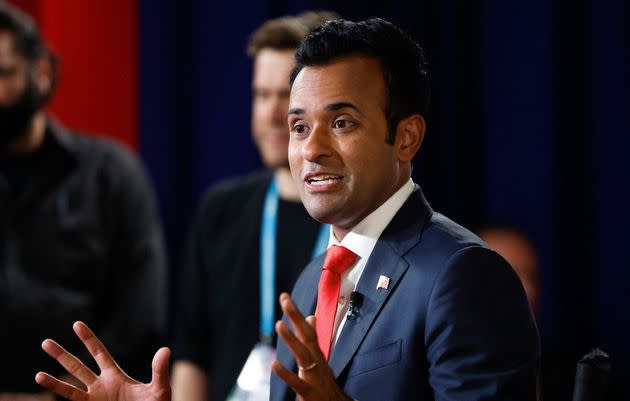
(528, 124)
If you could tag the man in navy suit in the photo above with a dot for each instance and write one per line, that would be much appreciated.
(442, 316)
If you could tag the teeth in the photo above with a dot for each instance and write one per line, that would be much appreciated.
(323, 180)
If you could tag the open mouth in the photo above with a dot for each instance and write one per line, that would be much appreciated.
(323, 179)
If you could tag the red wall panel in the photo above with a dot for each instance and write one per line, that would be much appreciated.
(98, 47)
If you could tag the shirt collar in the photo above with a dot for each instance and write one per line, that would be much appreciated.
(362, 238)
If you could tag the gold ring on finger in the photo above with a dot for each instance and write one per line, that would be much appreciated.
(307, 368)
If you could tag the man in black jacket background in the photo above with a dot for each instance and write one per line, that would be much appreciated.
(79, 234)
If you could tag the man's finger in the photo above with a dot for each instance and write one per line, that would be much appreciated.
(72, 364)
(96, 348)
(315, 350)
(159, 368)
(311, 321)
(292, 380)
(303, 356)
(304, 331)
(60, 388)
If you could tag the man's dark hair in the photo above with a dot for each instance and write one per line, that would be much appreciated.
(405, 68)
(26, 37)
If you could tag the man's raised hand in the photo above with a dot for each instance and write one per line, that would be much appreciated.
(112, 384)
(314, 380)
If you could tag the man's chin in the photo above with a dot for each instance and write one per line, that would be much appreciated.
(324, 213)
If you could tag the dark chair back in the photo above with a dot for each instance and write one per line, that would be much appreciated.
(592, 377)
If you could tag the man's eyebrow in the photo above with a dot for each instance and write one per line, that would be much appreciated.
(295, 110)
(328, 107)
(340, 105)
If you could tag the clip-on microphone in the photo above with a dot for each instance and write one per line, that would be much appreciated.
(356, 300)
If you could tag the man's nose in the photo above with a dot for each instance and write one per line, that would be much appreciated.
(317, 145)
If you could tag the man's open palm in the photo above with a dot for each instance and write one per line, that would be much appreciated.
(112, 384)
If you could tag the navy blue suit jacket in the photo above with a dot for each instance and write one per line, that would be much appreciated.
(454, 323)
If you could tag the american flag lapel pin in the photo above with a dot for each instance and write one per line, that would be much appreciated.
(383, 282)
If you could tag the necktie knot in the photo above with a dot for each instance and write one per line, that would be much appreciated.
(338, 259)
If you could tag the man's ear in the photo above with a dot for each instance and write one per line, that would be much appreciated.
(409, 136)
(43, 75)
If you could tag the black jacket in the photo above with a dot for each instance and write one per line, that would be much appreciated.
(79, 240)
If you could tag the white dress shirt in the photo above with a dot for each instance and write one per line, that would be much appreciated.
(361, 240)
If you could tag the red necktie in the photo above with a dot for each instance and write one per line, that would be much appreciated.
(337, 260)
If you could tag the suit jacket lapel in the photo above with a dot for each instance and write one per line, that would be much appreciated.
(403, 232)
(306, 297)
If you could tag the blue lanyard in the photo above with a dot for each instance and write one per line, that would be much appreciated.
(268, 259)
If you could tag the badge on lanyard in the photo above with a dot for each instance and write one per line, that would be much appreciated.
(253, 381)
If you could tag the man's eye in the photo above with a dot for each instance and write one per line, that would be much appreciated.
(299, 128)
(341, 124)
